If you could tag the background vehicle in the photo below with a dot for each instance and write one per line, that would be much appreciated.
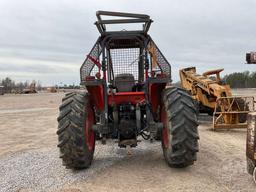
(250, 142)
(126, 77)
(214, 97)
(251, 58)
(251, 145)
(30, 89)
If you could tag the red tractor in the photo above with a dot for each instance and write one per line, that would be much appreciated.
(126, 98)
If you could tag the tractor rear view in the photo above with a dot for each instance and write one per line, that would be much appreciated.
(126, 97)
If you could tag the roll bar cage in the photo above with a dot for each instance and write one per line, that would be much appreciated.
(128, 18)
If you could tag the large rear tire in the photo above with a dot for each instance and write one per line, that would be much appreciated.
(75, 134)
(179, 134)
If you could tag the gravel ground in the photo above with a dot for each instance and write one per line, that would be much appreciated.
(42, 170)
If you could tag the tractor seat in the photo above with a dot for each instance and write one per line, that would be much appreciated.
(124, 82)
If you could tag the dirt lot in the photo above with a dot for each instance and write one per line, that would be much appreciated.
(29, 157)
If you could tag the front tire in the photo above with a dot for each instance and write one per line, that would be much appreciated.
(75, 134)
(179, 134)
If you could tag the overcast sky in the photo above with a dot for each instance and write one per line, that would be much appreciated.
(48, 40)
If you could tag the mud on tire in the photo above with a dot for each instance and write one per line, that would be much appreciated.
(76, 138)
(180, 134)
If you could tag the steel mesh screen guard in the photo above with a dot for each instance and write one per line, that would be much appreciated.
(125, 56)
(125, 61)
(88, 68)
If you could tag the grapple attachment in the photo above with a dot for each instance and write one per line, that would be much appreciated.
(231, 112)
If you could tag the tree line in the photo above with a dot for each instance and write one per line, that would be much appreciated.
(10, 86)
(244, 79)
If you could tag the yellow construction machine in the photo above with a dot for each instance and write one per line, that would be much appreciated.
(214, 97)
